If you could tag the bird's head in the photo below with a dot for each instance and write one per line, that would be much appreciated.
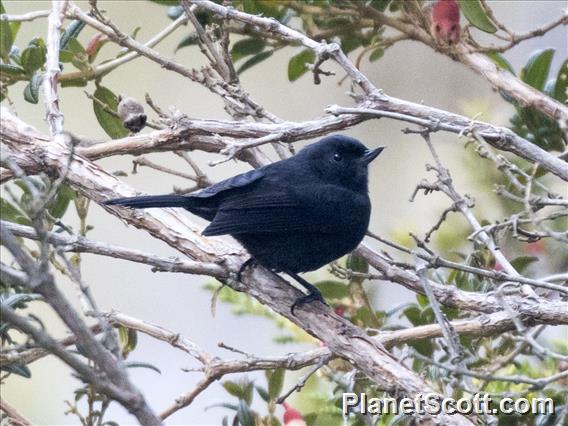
(341, 160)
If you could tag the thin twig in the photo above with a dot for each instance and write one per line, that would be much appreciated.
(50, 82)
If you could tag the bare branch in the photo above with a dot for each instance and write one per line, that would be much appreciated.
(437, 262)
(445, 184)
(105, 385)
(25, 17)
(341, 336)
(16, 419)
(79, 244)
(51, 77)
(503, 80)
(117, 386)
(536, 384)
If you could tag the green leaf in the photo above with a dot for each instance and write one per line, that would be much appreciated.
(79, 394)
(111, 124)
(297, 65)
(250, 6)
(15, 55)
(15, 27)
(331, 289)
(263, 393)
(523, 262)
(188, 40)
(223, 405)
(380, 5)
(423, 300)
(450, 312)
(30, 181)
(6, 37)
(413, 314)
(128, 340)
(19, 300)
(549, 87)
(10, 212)
(72, 31)
(18, 369)
(246, 47)
(394, 6)
(363, 317)
(272, 9)
(501, 62)
(243, 391)
(8, 70)
(75, 82)
(76, 54)
(474, 13)
(33, 57)
(166, 2)
(357, 263)
(31, 91)
(75, 46)
(66, 56)
(59, 206)
(376, 54)
(350, 42)
(245, 415)
(248, 392)
(256, 59)
(136, 364)
(203, 17)
(275, 382)
(424, 346)
(561, 87)
(233, 388)
(535, 72)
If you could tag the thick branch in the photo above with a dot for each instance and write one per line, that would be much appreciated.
(341, 336)
(172, 226)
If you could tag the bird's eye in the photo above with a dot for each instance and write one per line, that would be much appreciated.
(337, 156)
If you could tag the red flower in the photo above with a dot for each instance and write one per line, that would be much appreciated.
(292, 417)
(446, 21)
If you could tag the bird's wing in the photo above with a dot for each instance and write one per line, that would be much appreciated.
(271, 212)
(238, 181)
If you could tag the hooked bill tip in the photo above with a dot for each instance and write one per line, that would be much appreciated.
(371, 154)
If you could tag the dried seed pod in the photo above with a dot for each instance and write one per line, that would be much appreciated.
(131, 112)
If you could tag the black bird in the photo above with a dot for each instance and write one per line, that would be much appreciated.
(292, 216)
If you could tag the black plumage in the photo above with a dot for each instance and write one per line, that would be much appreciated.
(294, 215)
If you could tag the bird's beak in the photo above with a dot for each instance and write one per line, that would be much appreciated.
(371, 154)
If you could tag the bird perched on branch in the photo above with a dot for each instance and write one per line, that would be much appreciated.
(292, 216)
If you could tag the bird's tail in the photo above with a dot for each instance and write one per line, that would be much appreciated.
(147, 201)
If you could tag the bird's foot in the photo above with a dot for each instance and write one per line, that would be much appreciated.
(247, 263)
(312, 296)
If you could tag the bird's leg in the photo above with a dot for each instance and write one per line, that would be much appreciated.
(249, 262)
(313, 293)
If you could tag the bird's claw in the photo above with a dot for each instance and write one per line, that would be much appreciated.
(247, 263)
(308, 298)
